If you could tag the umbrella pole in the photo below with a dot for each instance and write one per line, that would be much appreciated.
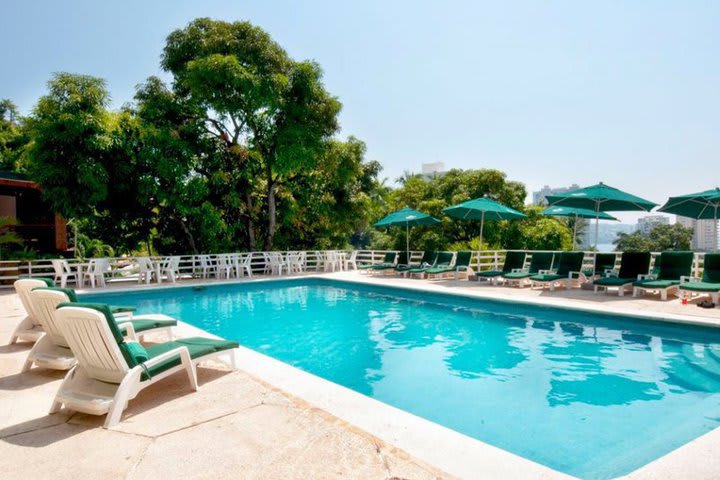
(482, 223)
(574, 231)
(597, 223)
(407, 241)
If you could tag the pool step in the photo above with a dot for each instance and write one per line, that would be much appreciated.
(703, 363)
(694, 372)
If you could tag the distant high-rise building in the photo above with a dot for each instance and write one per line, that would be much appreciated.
(431, 170)
(705, 233)
(539, 196)
(645, 224)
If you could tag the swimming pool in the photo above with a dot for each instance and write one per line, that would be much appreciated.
(595, 396)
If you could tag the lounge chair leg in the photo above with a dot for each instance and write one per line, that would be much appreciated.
(621, 292)
(27, 365)
(189, 368)
(122, 397)
(663, 295)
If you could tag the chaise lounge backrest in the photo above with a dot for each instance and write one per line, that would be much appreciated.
(674, 265)
(443, 258)
(402, 258)
(389, 258)
(23, 287)
(633, 264)
(711, 269)
(541, 261)
(604, 261)
(570, 262)
(45, 301)
(428, 257)
(513, 260)
(463, 258)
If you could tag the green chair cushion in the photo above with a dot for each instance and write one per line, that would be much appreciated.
(613, 281)
(650, 284)
(516, 275)
(701, 286)
(547, 277)
(674, 265)
(383, 266)
(197, 346)
(48, 281)
(437, 270)
(490, 273)
(149, 324)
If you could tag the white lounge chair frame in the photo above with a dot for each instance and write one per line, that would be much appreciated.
(102, 382)
(29, 327)
(638, 291)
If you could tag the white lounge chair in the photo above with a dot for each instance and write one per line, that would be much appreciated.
(29, 327)
(111, 372)
(96, 271)
(53, 350)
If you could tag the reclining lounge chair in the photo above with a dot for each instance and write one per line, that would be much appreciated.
(111, 371)
(672, 267)
(568, 272)
(539, 261)
(632, 266)
(53, 350)
(462, 265)
(710, 282)
(513, 261)
(29, 327)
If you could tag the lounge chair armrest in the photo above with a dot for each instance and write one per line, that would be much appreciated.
(544, 272)
(181, 351)
(129, 330)
(647, 276)
(612, 273)
(573, 275)
(688, 278)
(518, 270)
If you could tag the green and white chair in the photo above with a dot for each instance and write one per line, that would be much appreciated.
(568, 272)
(514, 261)
(633, 265)
(53, 349)
(709, 284)
(111, 371)
(442, 260)
(671, 267)
(539, 261)
(461, 265)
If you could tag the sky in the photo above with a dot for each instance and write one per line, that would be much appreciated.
(550, 92)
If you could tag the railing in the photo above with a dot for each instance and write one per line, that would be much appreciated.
(123, 268)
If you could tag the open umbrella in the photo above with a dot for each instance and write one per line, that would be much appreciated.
(702, 205)
(482, 209)
(410, 218)
(601, 198)
(577, 213)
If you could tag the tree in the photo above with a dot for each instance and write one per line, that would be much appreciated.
(660, 238)
(70, 134)
(537, 232)
(7, 235)
(271, 114)
(13, 136)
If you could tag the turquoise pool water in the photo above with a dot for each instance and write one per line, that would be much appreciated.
(594, 396)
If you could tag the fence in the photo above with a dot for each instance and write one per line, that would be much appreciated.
(123, 266)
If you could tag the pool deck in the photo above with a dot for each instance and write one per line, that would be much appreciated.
(269, 420)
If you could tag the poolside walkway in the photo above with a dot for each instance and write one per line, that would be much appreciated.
(234, 426)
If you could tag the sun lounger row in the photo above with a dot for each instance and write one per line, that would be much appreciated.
(672, 272)
(100, 346)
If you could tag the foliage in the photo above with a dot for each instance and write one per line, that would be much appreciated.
(434, 194)
(13, 136)
(660, 238)
(70, 134)
(7, 236)
(270, 114)
(92, 247)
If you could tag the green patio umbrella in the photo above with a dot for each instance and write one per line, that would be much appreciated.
(701, 205)
(577, 213)
(410, 218)
(482, 209)
(601, 198)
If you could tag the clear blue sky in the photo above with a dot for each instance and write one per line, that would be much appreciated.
(551, 92)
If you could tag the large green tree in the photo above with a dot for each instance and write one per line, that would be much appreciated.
(13, 136)
(272, 114)
(660, 238)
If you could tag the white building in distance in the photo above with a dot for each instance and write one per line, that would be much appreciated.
(645, 224)
(705, 233)
(432, 170)
(539, 196)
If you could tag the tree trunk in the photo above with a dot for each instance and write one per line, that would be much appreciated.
(250, 222)
(271, 215)
(189, 236)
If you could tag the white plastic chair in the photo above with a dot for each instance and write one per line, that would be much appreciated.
(96, 271)
(223, 266)
(204, 268)
(274, 263)
(351, 261)
(245, 265)
(30, 327)
(171, 268)
(63, 272)
(147, 269)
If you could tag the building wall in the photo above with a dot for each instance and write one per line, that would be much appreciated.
(645, 224)
(539, 196)
(705, 233)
